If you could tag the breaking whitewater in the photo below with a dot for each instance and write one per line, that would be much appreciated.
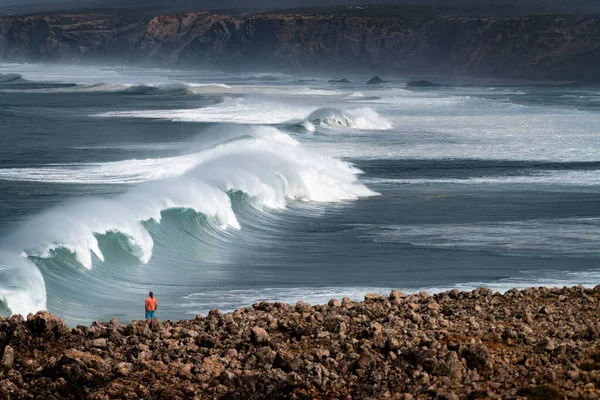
(218, 191)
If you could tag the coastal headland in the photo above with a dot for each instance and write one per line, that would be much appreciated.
(375, 39)
(537, 343)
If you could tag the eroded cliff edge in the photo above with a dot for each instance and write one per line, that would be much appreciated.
(559, 47)
(537, 343)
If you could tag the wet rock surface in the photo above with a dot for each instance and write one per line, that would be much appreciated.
(537, 344)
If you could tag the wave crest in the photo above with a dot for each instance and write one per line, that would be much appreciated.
(264, 163)
(362, 118)
(10, 78)
(165, 89)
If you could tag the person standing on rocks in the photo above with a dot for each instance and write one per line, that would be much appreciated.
(151, 307)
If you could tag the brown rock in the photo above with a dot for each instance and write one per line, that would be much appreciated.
(455, 367)
(303, 307)
(365, 360)
(478, 357)
(334, 303)
(87, 360)
(259, 335)
(396, 295)
(99, 343)
(44, 324)
(8, 390)
(124, 368)
(374, 297)
(8, 358)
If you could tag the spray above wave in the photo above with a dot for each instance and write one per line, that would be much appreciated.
(231, 110)
(267, 165)
(330, 118)
(212, 143)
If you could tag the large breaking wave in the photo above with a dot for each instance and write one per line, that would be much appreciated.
(265, 164)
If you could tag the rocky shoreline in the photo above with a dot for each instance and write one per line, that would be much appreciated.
(536, 344)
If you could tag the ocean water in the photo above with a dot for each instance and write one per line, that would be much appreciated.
(217, 190)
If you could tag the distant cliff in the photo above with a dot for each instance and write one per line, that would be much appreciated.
(536, 47)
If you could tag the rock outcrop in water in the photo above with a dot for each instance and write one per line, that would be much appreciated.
(561, 47)
(375, 81)
(423, 84)
(536, 344)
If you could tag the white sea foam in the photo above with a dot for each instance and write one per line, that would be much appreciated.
(248, 111)
(362, 118)
(232, 110)
(140, 89)
(564, 236)
(356, 95)
(549, 178)
(22, 287)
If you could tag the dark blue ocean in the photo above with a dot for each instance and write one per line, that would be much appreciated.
(219, 190)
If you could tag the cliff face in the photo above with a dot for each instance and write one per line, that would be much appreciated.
(536, 47)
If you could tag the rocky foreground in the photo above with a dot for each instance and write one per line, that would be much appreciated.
(536, 344)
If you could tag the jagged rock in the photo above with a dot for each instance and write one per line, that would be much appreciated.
(478, 357)
(422, 84)
(8, 358)
(546, 310)
(396, 295)
(8, 390)
(259, 335)
(344, 80)
(44, 324)
(365, 359)
(549, 344)
(373, 297)
(86, 360)
(455, 367)
(303, 307)
(124, 369)
(334, 303)
(99, 343)
(15, 377)
(375, 81)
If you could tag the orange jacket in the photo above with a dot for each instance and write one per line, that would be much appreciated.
(151, 304)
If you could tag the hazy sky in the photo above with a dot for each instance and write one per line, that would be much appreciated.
(283, 2)
(538, 4)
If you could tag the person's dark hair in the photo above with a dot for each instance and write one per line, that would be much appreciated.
(151, 294)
